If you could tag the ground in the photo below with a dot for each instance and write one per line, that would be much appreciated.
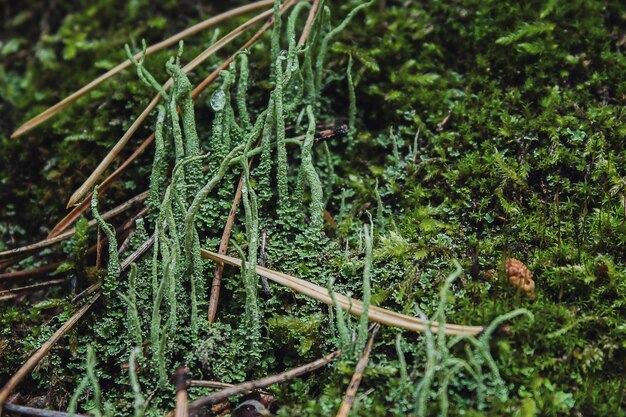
(483, 131)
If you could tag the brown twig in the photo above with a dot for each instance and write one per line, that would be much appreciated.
(38, 412)
(209, 384)
(36, 357)
(179, 379)
(14, 292)
(84, 205)
(348, 400)
(262, 254)
(99, 248)
(375, 314)
(309, 22)
(30, 273)
(50, 112)
(208, 80)
(262, 383)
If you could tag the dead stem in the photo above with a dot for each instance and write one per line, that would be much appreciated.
(38, 412)
(14, 292)
(353, 306)
(309, 22)
(261, 383)
(348, 400)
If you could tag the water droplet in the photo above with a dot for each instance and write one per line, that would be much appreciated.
(296, 86)
(294, 65)
(218, 100)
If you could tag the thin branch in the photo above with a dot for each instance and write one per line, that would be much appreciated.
(50, 112)
(36, 357)
(261, 383)
(348, 400)
(209, 384)
(353, 306)
(30, 273)
(14, 292)
(180, 383)
(38, 412)
(309, 22)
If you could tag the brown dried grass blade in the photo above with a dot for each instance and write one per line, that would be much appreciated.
(348, 399)
(14, 292)
(375, 314)
(51, 111)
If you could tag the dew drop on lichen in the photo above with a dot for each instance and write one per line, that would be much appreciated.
(218, 100)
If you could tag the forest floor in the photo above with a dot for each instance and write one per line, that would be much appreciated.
(488, 136)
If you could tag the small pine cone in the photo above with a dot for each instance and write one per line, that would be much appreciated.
(521, 277)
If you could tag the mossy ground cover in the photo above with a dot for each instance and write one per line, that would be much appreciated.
(483, 131)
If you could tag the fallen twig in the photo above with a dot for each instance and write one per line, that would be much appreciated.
(14, 292)
(309, 22)
(30, 273)
(51, 111)
(261, 383)
(36, 357)
(353, 306)
(348, 400)
(30, 411)
(179, 379)
(209, 384)
(84, 205)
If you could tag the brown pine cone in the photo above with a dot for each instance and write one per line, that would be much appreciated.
(521, 277)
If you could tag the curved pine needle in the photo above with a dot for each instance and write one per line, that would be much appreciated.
(58, 107)
(355, 307)
(108, 159)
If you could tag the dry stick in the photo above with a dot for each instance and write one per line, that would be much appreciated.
(14, 292)
(85, 204)
(99, 249)
(348, 400)
(30, 364)
(224, 242)
(37, 272)
(309, 22)
(353, 306)
(106, 161)
(180, 383)
(35, 247)
(30, 273)
(262, 383)
(209, 384)
(50, 112)
(30, 411)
